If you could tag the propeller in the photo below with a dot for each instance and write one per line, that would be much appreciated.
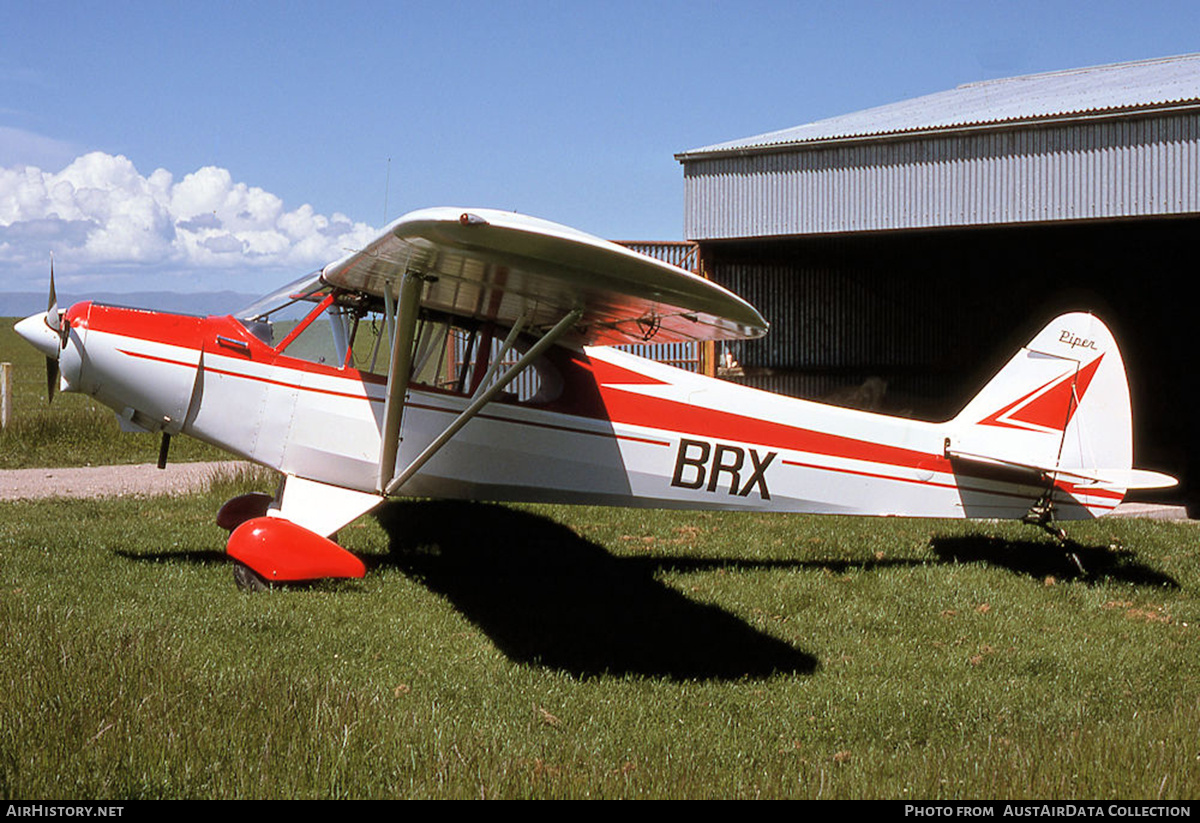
(57, 322)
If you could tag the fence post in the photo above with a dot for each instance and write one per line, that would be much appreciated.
(5, 394)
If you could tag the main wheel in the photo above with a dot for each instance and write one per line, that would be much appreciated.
(237, 510)
(248, 580)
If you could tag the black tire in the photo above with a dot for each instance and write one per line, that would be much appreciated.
(248, 580)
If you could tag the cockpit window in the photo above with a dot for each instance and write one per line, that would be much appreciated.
(309, 320)
(368, 338)
(272, 317)
(459, 356)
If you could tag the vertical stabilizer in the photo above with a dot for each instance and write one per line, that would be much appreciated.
(1061, 406)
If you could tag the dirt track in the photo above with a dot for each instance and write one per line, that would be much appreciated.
(108, 481)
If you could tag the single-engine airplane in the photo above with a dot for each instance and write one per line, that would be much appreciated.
(468, 353)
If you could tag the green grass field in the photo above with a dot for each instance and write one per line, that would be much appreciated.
(541, 652)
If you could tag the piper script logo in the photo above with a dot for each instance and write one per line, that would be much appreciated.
(1075, 341)
(695, 470)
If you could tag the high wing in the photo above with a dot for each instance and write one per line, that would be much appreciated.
(542, 280)
(502, 267)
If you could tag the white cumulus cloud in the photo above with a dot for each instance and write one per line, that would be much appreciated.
(100, 215)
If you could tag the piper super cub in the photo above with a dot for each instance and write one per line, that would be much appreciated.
(468, 354)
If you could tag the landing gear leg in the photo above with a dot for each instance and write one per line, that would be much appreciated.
(1041, 514)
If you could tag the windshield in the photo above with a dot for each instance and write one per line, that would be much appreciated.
(307, 289)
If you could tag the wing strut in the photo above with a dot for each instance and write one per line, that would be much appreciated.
(483, 397)
(505, 348)
(399, 371)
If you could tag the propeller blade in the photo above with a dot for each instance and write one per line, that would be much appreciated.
(51, 378)
(52, 304)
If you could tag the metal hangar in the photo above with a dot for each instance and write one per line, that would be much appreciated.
(902, 253)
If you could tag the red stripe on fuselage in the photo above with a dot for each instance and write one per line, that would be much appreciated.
(635, 409)
(1064, 487)
(408, 404)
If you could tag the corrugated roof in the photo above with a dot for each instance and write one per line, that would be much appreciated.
(1144, 84)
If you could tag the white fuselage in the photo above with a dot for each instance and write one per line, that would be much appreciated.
(622, 430)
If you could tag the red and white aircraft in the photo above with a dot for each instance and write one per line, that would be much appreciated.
(467, 354)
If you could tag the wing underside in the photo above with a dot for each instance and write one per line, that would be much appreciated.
(504, 267)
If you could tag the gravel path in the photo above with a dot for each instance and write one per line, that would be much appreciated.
(109, 481)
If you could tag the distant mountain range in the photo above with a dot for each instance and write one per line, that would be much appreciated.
(23, 304)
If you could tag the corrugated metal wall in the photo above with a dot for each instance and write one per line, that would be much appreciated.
(1082, 170)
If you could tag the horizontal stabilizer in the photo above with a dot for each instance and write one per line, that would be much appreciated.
(1135, 479)
(1098, 478)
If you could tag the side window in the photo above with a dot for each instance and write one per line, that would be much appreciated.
(451, 356)
(308, 321)
(438, 355)
(368, 341)
(341, 336)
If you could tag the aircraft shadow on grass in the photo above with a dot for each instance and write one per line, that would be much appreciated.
(196, 558)
(1040, 559)
(546, 596)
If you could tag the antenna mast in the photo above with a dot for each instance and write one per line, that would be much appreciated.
(387, 188)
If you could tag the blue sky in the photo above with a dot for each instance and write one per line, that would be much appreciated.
(199, 146)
